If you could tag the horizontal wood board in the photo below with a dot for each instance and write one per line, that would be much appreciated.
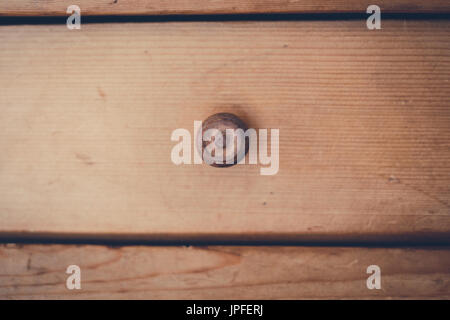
(39, 272)
(188, 7)
(364, 121)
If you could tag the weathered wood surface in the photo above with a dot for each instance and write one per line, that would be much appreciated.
(39, 271)
(158, 7)
(364, 121)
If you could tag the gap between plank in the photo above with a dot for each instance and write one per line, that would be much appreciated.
(38, 20)
(326, 240)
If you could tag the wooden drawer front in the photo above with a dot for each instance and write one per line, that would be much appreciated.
(364, 122)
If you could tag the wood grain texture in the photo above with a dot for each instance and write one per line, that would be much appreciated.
(38, 272)
(158, 7)
(364, 123)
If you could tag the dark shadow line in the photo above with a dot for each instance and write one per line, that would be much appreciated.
(45, 20)
(367, 241)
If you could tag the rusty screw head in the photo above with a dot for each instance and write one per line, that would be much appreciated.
(234, 149)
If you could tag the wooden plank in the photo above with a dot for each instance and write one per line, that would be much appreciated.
(38, 272)
(364, 123)
(159, 7)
